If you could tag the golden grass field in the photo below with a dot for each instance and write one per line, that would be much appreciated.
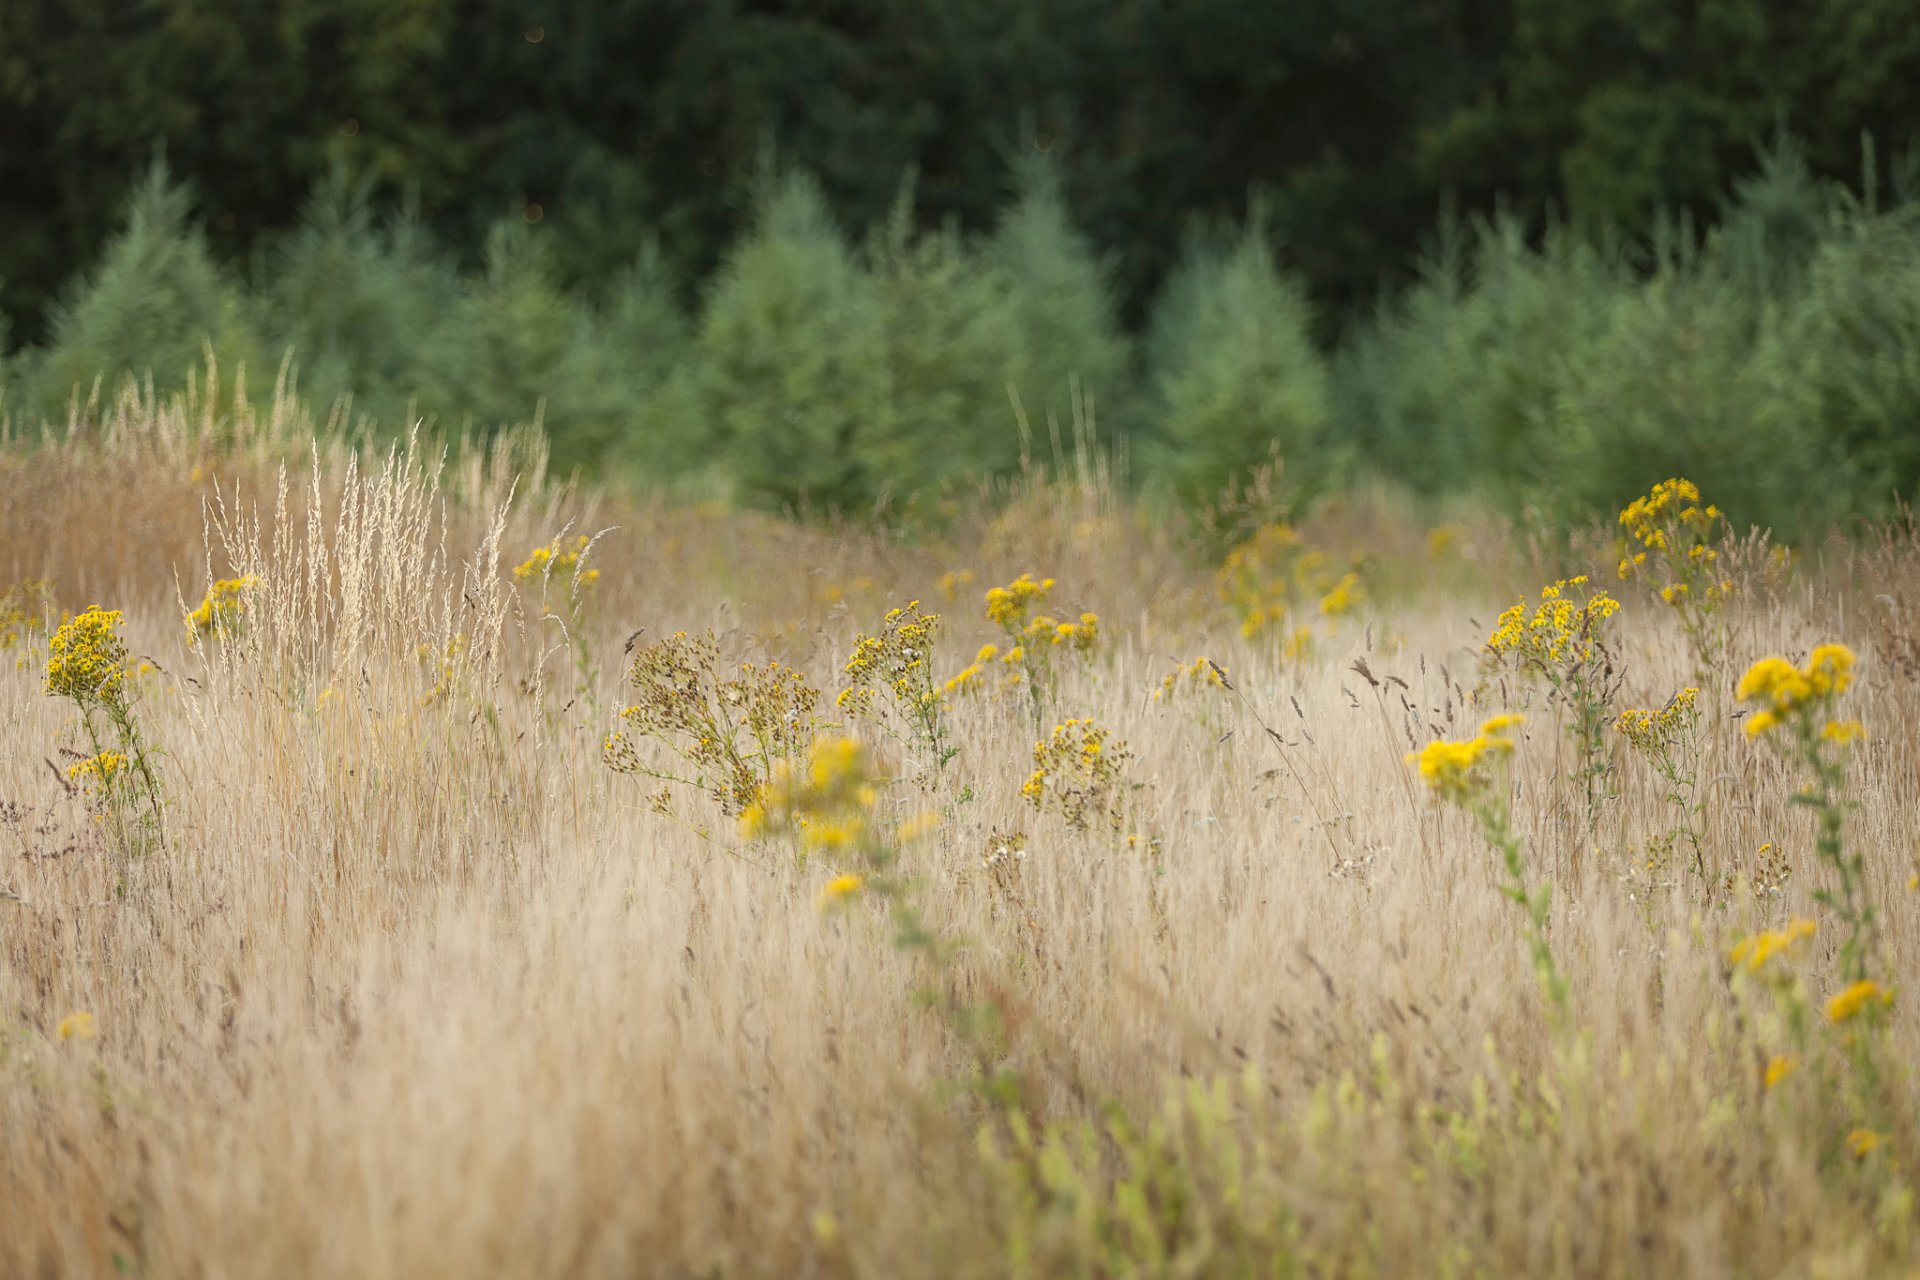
(405, 980)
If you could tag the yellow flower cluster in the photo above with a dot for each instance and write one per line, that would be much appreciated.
(98, 769)
(222, 606)
(1077, 771)
(1790, 694)
(1671, 502)
(1201, 673)
(1753, 953)
(1345, 594)
(1455, 770)
(1864, 994)
(1657, 729)
(972, 677)
(827, 801)
(896, 659)
(1559, 631)
(1009, 606)
(1675, 526)
(1273, 574)
(77, 1026)
(25, 609)
(839, 890)
(553, 559)
(952, 581)
(86, 658)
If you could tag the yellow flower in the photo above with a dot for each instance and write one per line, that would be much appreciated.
(1862, 1143)
(1009, 605)
(86, 658)
(1451, 770)
(101, 768)
(838, 890)
(221, 607)
(1843, 731)
(1754, 952)
(1860, 995)
(1779, 1067)
(555, 559)
(1830, 669)
(1342, 598)
(77, 1026)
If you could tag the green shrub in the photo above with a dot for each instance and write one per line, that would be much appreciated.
(950, 326)
(355, 302)
(500, 355)
(154, 306)
(1061, 317)
(611, 397)
(1855, 342)
(789, 380)
(1235, 375)
(1687, 379)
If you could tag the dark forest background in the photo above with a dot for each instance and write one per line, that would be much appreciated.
(1469, 242)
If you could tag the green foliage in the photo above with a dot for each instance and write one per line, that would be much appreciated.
(789, 363)
(950, 327)
(1061, 315)
(154, 306)
(1235, 375)
(354, 302)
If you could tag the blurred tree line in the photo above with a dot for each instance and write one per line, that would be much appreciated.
(625, 119)
(859, 255)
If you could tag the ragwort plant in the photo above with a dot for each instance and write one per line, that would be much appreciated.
(1563, 641)
(1275, 583)
(890, 683)
(1471, 775)
(1079, 775)
(1036, 641)
(222, 610)
(1794, 711)
(88, 664)
(1668, 739)
(566, 562)
(829, 806)
(1673, 542)
(725, 737)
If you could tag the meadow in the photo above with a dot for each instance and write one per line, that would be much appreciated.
(418, 865)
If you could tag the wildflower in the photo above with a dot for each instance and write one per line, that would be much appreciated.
(1080, 773)
(838, 890)
(1009, 606)
(86, 658)
(1779, 1067)
(1754, 952)
(221, 607)
(826, 803)
(77, 1026)
(1843, 732)
(1558, 632)
(1862, 1143)
(553, 558)
(1340, 600)
(1202, 672)
(101, 768)
(1786, 691)
(1453, 770)
(1863, 994)
(1658, 729)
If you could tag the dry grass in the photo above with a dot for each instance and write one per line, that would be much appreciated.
(419, 987)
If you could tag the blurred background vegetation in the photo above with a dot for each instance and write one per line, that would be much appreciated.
(835, 254)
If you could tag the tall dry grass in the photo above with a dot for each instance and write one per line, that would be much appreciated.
(420, 987)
